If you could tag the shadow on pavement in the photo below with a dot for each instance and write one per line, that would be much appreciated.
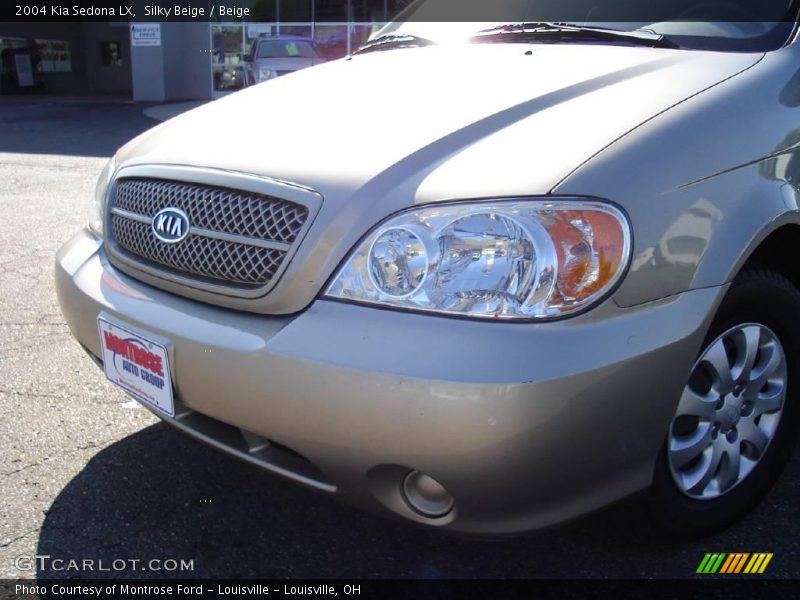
(159, 494)
(74, 129)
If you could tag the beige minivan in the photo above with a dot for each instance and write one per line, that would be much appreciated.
(496, 280)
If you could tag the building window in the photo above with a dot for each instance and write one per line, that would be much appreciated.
(54, 56)
(110, 54)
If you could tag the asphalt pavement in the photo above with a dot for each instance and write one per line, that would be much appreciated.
(87, 474)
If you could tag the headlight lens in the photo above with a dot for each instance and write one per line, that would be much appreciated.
(264, 74)
(98, 207)
(532, 259)
(398, 262)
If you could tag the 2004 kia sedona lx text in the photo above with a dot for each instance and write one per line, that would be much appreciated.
(503, 275)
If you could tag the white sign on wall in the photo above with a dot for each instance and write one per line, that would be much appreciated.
(145, 34)
(24, 70)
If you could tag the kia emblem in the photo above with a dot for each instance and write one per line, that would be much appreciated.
(170, 225)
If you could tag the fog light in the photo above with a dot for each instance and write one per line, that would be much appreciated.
(426, 495)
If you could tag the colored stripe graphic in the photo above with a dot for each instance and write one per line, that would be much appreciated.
(711, 563)
(703, 563)
(734, 563)
(754, 564)
(740, 563)
(737, 562)
(728, 563)
(758, 563)
(765, 563)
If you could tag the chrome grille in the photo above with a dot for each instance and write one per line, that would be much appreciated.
(218, 209)
(237, 237)
(206, 257)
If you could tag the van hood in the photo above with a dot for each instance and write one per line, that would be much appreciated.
(444, 122)
(383, 131)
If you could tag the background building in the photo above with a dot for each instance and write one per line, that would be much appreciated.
(172, 60)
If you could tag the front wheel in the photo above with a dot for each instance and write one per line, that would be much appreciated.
(736, 421)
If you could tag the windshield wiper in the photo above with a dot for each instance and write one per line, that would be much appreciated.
(556, 32)
(390, 41)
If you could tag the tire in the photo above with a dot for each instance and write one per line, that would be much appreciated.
(690, 496)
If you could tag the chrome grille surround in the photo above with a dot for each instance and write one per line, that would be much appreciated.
(244, 229)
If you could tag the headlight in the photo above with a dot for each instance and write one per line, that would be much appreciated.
(98, 207)
(264, 74)
(532, 259)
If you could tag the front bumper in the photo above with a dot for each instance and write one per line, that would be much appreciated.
(526, 425)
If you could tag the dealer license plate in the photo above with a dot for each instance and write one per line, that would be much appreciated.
(137, 364)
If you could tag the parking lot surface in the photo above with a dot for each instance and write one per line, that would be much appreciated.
(88, 474)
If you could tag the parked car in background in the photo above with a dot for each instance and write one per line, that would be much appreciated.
(485, 284)
(273, 56)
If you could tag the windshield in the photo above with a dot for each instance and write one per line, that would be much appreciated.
(285, 49)
(733, 26)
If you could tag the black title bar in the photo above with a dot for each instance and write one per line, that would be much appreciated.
(300, 11)
(708, 587)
